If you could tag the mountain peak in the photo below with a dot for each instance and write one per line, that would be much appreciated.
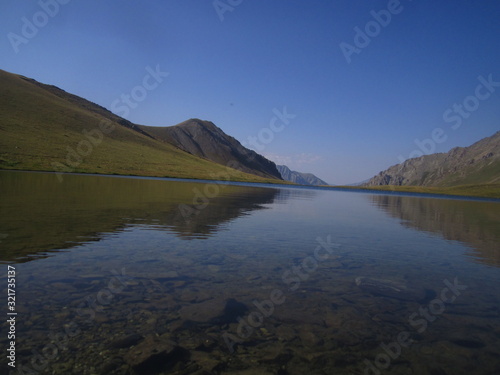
(204, 139)
(196, 121)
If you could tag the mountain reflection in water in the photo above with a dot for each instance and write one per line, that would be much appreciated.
(42, 214)
(472, 222)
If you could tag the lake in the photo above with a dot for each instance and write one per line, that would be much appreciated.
(119, 275)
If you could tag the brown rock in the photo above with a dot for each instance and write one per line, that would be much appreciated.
(154, 355)
(126, 341)
(216, 311)
(390, 288)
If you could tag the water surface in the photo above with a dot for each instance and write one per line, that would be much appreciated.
(144, 276)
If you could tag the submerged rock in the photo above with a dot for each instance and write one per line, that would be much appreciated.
(232, 310)
(468, 343)
(215, 311)
(126, 341)
(155, 354)
(111, 366)
(391, 289)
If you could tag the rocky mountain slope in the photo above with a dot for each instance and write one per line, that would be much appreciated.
(476, 164)
(299, 177)
(204, 139)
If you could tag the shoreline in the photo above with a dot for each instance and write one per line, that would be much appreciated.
(455, 192)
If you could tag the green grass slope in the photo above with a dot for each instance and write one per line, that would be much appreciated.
(45, 128)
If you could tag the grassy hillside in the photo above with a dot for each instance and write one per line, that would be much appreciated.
(471, 175)
(43, 128)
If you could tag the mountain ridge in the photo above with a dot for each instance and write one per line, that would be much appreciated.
(205, 139)
(84, 103)
(300, 177)
(478, 163)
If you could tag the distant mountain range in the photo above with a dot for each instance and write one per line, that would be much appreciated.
(476, 164)
(299, 177)
(361, 183)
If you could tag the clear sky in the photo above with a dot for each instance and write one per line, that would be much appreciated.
(360, 81)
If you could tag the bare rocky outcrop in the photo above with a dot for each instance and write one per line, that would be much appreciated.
(476, 164)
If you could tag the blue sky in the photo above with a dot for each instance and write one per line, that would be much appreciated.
(238, 63)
